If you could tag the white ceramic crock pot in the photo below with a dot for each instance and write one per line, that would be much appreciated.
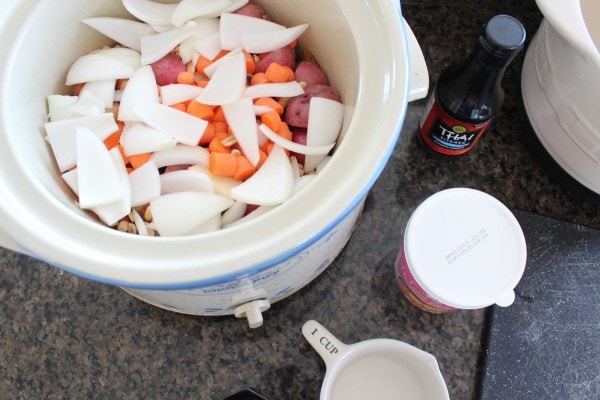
(560, 84)
(362, 45)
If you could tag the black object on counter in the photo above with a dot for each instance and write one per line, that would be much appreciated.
(245, 394)
(547, 344)
(468, 95)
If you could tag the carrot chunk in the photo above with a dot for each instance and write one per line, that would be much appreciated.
(200, 110)
(244, 168)
(278, 73)
(186, 78)
(138, 160)
(259, 78)
(222, 164)
(269, 102)
(271, 119)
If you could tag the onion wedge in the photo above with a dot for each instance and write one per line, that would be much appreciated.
(272, 184)
(181, 126)
(176, 214)
(286, 89)
(325, 118)
(227, 83)
(156, 46)
(293, 146)
(140, 88)
(145, 184)
(126, 32)
(138, 138)
(234, 26)
(151, 12)
(181, 155)
(187, 10)
(178, 93)
(187, 180)
(264, 42)
(242, 121)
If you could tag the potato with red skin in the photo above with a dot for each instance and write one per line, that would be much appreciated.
(285, 56)
(299, 136)
(167, 68)
(253, 10)
(296, 112)
(309, 72)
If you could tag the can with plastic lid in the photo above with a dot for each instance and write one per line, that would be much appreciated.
(463, 249)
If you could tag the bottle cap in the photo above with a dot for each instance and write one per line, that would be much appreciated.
(504, 35)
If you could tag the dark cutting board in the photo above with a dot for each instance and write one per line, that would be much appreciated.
(547, 344)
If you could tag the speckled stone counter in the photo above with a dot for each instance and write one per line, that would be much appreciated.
(63, 337)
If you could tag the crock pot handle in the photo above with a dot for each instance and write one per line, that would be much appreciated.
(419, 75)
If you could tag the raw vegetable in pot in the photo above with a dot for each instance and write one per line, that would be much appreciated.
(201, 116)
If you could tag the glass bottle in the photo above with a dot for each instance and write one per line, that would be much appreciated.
(468, 95)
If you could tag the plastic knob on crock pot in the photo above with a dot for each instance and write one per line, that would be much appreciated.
(253, 312)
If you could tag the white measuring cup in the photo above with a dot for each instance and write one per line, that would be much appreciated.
(382, 369)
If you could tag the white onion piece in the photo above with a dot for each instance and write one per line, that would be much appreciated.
(111, 213)
(210, 70)
(260, 110)
(234, 26)
(261, 210)
(209, 47)
(123, 31)
(103, 90)
(177, 93)
(233, 213)
(235, 4)
(211, 225)
(325, 118)
(181, 155)
(88, 105)
(221, 184)
(98, 179)
(58, 106)
(293, 146)
(138, 138)
(189, 9)
(158, 45)
(145, 184)
(227, 83)
(295, 167)
(140, 88)
(181, 126)
(62, 136)
(140, 225)
(264, 42)
(176, 214)
(186, 180)
(206, 27)
(242, 121)
(272, 184)
(151, 12)
(96, 67)
(286, 89)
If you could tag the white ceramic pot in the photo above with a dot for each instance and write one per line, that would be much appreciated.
(363, 47)
(560, 83)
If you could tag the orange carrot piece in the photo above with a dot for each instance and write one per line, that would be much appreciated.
(272, 120)
(202, 63)
(202, 83)
(262, 159)
(216, 146)
(222, 164)
(250, 65)
(259, 78)
(278, 73)
(221, 54)
(284, 131)
(220, 127)
(269, 102)
(186, 78)
(208, 135)
(113, 140)
(244, 169)
(219, 115)
(179, 106)
(200, 110)
(294, 43)
(138, 160)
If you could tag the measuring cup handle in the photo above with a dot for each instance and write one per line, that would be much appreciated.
(327, 345)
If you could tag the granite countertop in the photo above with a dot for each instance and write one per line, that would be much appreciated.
(64, 337)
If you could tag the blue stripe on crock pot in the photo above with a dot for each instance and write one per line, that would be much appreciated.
(276, 260)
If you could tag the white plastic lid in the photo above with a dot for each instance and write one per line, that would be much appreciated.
(465, 249)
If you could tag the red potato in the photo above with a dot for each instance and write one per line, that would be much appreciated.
(296, 112)
(299, 136)
(285, 56)
(167, 68)
(309, 72)
(253, 10)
